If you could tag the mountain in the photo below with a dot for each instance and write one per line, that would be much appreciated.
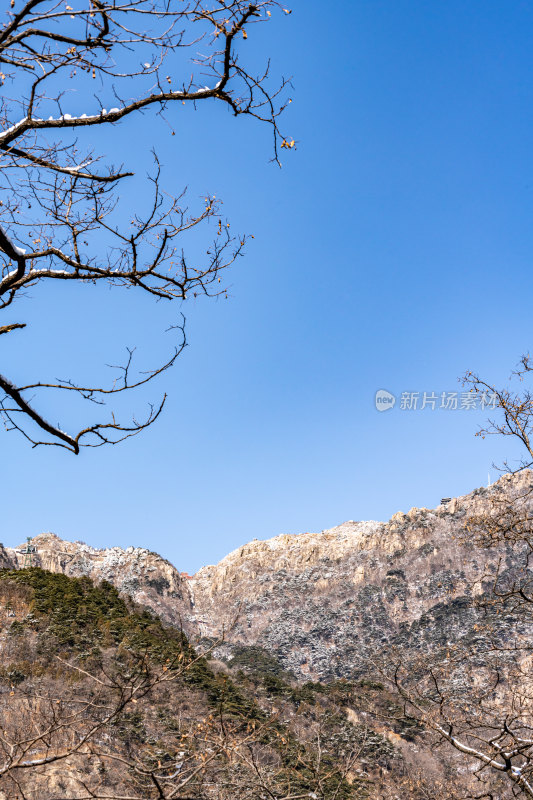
(99, 699)
(322, 604)
(138, 573)
(116, 680)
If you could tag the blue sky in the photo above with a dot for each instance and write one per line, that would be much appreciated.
(392, 250)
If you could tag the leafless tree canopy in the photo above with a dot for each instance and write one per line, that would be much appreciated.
(59, 210)
(478, 695)
(515, 404)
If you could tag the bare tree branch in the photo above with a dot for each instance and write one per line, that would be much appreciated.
(60, 214)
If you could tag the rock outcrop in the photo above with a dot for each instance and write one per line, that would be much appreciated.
(143, 575)
(325, 604)
(322, 603)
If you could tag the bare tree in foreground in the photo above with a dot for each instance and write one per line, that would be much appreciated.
(104, 733)
(479, 698)
(60, 215)
(99, 700)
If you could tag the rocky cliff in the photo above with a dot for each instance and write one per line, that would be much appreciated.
(143, 575)
(322, 603)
